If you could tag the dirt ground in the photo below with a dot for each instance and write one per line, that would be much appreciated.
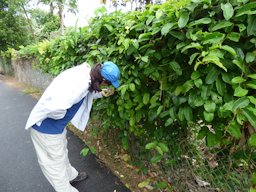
(118, 163)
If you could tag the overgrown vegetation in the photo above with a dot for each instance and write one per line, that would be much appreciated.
(181, 62)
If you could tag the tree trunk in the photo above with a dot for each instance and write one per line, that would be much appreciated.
(28, 20)
(51, 8)
(60, 13)
(148, 2)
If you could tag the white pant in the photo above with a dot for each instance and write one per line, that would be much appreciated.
(52, 154)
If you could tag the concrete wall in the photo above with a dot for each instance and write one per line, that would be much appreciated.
(5, 66)
(25, 71)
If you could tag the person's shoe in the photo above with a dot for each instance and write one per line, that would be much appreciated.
(80, 177)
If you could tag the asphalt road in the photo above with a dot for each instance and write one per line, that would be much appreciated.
(19, 170)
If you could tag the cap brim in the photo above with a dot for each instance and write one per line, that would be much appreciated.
(116, 84)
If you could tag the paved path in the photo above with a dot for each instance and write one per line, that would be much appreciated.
(19, 170)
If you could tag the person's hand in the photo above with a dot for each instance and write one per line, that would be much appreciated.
(107, 92)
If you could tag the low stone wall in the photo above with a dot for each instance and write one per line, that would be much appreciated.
(5, 66)
(24, 71)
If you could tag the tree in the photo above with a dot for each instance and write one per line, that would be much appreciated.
(14, 29)
(135, 4)
(71, 5)
(45, 23)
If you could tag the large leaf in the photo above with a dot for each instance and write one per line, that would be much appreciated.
(229, 49)
(166, 28)
(176, 67)
(246, 9)
(212, 75)
(146, 98)
(234, 129)
(215, 60)
(250, 117)
(192, 45)
(238, 79)
(251, 28)
(240, 92)
(213, 38)
(200, 21)
(234, 36)
(228, 10)
(252, 140)
(212, 139)
(240, 103)
(183, 20)
(209, 106)
(221, 25)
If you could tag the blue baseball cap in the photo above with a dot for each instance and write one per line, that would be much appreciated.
(111, 73)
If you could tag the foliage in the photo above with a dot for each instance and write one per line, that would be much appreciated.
(45, 23)
(181, 62)
(13, 27)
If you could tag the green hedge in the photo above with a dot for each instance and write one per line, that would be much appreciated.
(180, 62)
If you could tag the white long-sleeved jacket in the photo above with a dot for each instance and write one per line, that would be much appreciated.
(67, 89)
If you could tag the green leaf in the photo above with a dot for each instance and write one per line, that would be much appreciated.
(151, 145)
(144, 37)
(145, 59)
(240, 103)
(163, 147)
(168, 122)
(221, 25)
(84, 151)
(215, 60)
(234, 129)
(253, 76)
(228, 10)
(229, 49)
(132, 87)
(143, 184)
(209, 106)
(159, 150)
(251, 84)
(109, 27)
(150, 19)
(212, 139)
(156, 159)
(250, 117)
(250, 57)
(146, 98)
(252, 100)
(192, 45)
(183, 20)
(200, 21)
(246, 9)
(212, 75)
(176, 67)
(192, 58)
(187, 111)
(161, 185)
(233, 36)
(198, 83)
(166, 28)
(237, 80)
(195, 75)
(252, 140)
(178, 35)
(239, 63)
(251, 28)
(213, 38)
(240, 92)
(159, 110)
(208, 116)
(221, 86)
